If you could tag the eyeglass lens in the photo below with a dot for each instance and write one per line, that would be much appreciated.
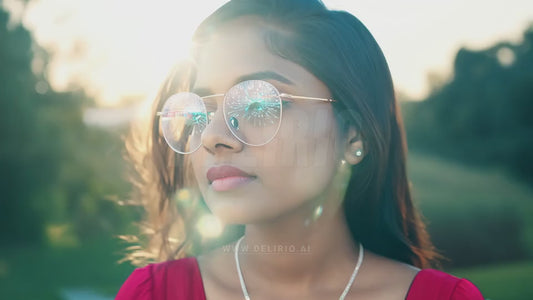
(252, 111)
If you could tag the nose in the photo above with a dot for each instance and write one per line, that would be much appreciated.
(217, 137)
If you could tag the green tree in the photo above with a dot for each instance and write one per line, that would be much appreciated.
(482, 115)
(28, 161)
(54, 169)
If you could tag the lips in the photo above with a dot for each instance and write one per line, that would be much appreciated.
(223, 172)
(227, 178)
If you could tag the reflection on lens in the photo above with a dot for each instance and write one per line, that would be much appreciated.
(234, 123)
(183, 120)
(252, 110)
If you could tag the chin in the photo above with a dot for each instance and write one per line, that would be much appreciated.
(233, 214)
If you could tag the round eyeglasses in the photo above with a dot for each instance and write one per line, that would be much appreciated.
(252, 110)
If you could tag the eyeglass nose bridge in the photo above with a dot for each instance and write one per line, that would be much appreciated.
(214, 133)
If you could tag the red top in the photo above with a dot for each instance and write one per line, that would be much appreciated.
(181, 280)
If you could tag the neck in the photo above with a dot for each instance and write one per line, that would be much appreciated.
(297, 254)
(288, 253)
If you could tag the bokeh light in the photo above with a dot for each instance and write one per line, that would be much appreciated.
(209, 226)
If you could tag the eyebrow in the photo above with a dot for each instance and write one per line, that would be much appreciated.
(201, 91)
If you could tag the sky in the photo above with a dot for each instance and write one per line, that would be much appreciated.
(120, 51)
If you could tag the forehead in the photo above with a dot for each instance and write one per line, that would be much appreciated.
(238, 49)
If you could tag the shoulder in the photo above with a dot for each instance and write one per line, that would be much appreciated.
(386, 278)
(175, 279)
(138, 285)
(435, 284)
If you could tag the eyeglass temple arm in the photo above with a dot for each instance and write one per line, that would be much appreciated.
(283, 95)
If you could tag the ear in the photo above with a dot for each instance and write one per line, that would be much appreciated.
(354, 150)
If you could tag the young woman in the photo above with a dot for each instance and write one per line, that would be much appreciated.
(285, 121)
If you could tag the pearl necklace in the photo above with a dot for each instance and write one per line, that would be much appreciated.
(346, 289)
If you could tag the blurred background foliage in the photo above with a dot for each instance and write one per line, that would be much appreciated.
(470, 164)
(482, 115)
(480, 118)
(56, 172)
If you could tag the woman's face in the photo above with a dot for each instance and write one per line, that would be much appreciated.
(290, 171)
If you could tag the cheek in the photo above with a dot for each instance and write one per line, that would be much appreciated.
(303, 156)
(197, 165)
(308, 137)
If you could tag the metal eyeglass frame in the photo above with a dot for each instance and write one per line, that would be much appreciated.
(280, 95)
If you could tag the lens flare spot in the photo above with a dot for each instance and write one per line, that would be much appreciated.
(209, 226)
(184, 197)
(318, 212)
(506, 56)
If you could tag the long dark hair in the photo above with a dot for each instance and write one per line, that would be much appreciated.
(340, 51)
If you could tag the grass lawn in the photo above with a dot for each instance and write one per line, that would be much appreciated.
(32, 273)
(446, 190)
(442, 187)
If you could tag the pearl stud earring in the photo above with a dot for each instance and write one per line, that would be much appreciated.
(358, 152)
